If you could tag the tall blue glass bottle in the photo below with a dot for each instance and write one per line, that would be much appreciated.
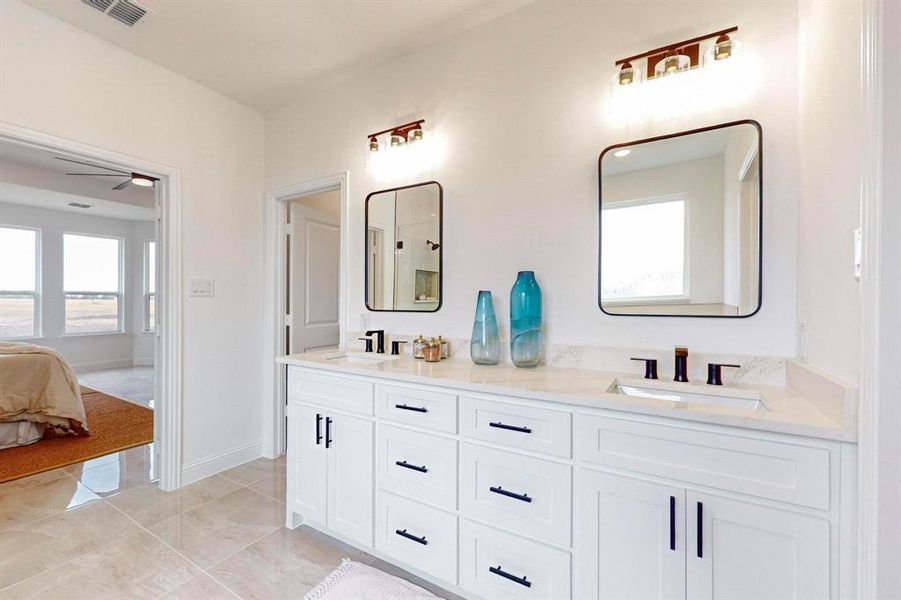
(485, 344)
(525, 321)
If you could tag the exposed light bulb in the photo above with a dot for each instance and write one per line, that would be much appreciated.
(626, 74)
(373, 144)
(723, 48)
(397, 139)
(417, 134)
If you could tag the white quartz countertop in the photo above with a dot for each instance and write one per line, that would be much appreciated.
(816, 407)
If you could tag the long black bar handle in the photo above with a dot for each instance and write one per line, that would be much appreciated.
(700, 530)
(328, 432)
(420, 409)
(672, 523)
(520, 580)
(410, 536)
(499, 425)
(406, 465)
(318, 428)
(514, 495)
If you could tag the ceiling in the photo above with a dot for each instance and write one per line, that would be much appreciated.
(36, 177)
(265, 53)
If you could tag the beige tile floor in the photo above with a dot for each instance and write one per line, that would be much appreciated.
(131, 383)
(102, 529)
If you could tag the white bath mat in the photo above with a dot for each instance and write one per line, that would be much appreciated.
(356, 581)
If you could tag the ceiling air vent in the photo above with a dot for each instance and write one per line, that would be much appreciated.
(123, 11)
(79, 205)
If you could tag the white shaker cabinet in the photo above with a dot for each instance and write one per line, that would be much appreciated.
(632, 538)
(741, 550)
(330, 470)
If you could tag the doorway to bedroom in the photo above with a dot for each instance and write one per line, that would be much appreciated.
(78, 314)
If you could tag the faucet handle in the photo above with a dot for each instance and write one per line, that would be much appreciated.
(395, 346)
(368, 343)
(715, 372)
(650, 367)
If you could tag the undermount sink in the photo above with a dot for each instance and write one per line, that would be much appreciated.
(745, 399)
(360, 358)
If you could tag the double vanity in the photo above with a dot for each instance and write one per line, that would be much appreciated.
(498, 482)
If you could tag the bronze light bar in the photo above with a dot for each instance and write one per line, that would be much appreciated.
(677, 46)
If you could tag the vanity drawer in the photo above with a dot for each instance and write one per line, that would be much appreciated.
(420, 407)
(519, 425)
(330, 391)
(418, 535)
(789, 472)
(525, 495)
(418, 465)
(498, 565)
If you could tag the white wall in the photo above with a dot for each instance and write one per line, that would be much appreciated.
(831, 127)
(62, 81)
(522, 105)
(94, 351)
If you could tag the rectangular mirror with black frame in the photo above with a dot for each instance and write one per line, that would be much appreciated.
(680, 224)
(404, 248)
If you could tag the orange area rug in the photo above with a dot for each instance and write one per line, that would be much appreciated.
(115, 424)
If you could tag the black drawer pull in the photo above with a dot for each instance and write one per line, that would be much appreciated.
(420, 409)
(520, 580)
(328, 432)
(672, 522)
(500, 425)
(410, 536)
(406, 465)
(700, 519)
(503, 492)
(318, 428)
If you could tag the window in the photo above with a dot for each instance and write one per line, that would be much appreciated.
(19, 277)
(648, 238)
(149, 286)
(92, 283)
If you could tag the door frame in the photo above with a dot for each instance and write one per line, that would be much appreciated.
(168, 441)
(274, 375)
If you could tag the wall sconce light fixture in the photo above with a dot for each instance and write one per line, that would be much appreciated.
(677, 58)
(399, 135)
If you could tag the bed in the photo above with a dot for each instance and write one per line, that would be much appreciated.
(38, 389)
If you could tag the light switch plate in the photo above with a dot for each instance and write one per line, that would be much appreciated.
(201, 287)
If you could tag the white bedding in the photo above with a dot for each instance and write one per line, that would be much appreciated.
(20, 434)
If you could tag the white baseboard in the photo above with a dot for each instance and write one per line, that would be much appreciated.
(142, 362)
(201, 469)
(121, 363)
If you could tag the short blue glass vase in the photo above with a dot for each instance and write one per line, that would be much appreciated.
(485, 344)
(525, 321)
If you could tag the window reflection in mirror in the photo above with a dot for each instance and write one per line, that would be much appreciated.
(680, 224)
(404, 248)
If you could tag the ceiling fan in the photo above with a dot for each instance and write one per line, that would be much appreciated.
(130, 176)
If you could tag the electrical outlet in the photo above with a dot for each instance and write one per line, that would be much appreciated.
(201, 288)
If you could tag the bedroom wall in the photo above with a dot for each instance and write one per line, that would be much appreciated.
(62, 81)
(93, 351)
(523, 107)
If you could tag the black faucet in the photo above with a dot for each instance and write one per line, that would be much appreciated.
(380, 339)
(681, 364)
(715, 372)
(650, 367)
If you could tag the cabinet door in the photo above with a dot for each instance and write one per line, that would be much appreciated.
(350, 474)
(739, 550)
(630, 541)
(306, 468)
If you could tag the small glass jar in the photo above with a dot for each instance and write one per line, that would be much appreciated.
(432, 351)
(419, 345)
(445, 347)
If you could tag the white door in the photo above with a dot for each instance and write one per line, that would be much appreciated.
(350, 474)
(630, 540)
(314, 276)
(306, 468)
(742, 551)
